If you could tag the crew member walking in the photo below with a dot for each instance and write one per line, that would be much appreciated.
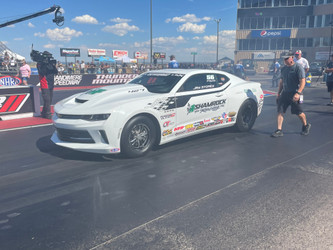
(290, 90)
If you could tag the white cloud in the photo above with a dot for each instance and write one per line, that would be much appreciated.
(120, 20)
(39, 34)
(192, 18)
(209, 39)
(65, 34)
(120, 29)
(161, 41)
(18, 39)
(30, 25)
(103, 45)
(192, 27)
(85, 19)
(49, 46)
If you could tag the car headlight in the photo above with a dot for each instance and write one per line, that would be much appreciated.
(96, 117)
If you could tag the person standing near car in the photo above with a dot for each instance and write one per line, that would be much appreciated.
(329, 79)
(290, 90)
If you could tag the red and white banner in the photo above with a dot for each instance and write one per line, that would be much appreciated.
(119, 53)
(96, 52)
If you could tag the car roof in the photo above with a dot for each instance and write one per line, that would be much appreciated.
(186, 71)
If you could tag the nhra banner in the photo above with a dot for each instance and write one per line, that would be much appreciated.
(86, 80)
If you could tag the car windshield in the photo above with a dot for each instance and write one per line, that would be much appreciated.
(157, 82)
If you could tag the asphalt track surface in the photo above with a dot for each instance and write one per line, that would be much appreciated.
(218, 190)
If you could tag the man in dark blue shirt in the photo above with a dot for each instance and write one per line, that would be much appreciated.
(290, 91)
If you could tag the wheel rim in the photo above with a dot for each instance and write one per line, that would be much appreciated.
(248, 115)
(139, 136)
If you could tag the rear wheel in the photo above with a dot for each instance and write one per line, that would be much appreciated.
(138, 136)
(246, 117)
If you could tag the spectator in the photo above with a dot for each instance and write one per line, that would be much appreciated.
(82, 67)
(24, 72)
(70, 68)
(60, 68)
(12, 62)
(329, 79)
(239, 70)
(5, 62)
(290, 90)
(302, 61)
(173, 64)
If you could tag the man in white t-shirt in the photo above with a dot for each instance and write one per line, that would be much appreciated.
(302, 61)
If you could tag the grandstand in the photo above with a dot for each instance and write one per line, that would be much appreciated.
(8, 60)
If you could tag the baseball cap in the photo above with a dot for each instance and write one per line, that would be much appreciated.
(298, 52)
(286, 56)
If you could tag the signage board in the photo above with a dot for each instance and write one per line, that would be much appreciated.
(119, 53)
(263, 55)
(159, 55)
(322, 55)
(270, 33)
(69, 52)
(96, 52)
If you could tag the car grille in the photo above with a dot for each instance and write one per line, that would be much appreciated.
(79, 136)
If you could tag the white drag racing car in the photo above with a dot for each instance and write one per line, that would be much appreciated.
(155, 108)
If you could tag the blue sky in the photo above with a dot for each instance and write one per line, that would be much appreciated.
(179, 27)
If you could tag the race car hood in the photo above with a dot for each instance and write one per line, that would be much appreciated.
(100, 99)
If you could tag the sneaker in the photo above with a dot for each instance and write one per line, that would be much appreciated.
(306, 129)
(330, 104)
(277, 133)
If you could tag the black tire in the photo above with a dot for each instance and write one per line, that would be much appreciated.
(246, 116)
(138, 137)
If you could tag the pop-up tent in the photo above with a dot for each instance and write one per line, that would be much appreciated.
(126, 59)
(105, 59)
(12, 54)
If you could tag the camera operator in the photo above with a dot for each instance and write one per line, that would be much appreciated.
(46, 66)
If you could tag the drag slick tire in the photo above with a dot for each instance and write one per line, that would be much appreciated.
(138, 137)
(246, 116)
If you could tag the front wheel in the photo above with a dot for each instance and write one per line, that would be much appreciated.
(138, 136)
(246, 116)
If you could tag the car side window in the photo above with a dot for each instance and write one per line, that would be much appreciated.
(199, 82)
(221, 79)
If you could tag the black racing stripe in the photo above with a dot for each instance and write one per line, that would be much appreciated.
(181, 101)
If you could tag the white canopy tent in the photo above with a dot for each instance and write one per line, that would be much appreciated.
(12, 54)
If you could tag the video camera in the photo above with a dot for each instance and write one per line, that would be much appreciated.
(42, 57)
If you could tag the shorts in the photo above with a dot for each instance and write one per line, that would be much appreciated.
(285, 100)
(24, 78)
(329, 86)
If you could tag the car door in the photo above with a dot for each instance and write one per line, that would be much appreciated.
(201, 102)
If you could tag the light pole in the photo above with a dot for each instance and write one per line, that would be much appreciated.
(217, 40)
(151, 32)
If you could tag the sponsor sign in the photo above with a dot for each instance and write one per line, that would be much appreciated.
(159, 55)
(141, 55)
(263, 55)
(322, 55)
(96, 52)
(270, 33)
(19, 100)
(70, 52)
(10, 81)
(119, 53)
(91, 80)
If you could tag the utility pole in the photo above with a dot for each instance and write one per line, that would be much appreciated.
(217, 40)
(151, 32)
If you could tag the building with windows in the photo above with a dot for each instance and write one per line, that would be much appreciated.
(268, 28)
